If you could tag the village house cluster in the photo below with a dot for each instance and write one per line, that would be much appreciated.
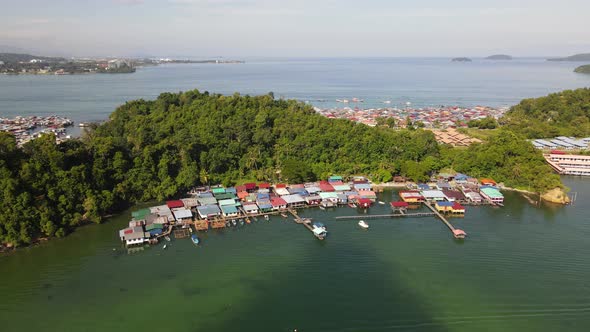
(221, 207)
(430, 117)
(452, 137)
(26, 128)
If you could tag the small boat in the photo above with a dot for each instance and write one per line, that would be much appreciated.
(195, 239)
(284, 215)
(319, 230)
(248, 220)
(363, 224)
(322, 207)
(381, 202)
(165, 246)
(234, 222)
(241, 222)
(167, 238)
(266, 217)
(352, 205)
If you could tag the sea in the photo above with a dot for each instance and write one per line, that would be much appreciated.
(420, 82)
(523, 267)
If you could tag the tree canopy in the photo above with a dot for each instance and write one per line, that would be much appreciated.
(564, 113)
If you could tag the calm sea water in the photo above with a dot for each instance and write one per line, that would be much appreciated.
(422, 82)
(522, 268)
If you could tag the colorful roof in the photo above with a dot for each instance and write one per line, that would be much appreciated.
(492, 193)
(277, 201)
(175, 204)
(399, 204)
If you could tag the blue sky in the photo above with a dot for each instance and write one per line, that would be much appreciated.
(296, 27)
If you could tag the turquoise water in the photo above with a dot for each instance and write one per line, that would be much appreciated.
(421, 81)
(522, 268)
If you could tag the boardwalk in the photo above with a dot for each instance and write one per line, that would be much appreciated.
(305, 222)
(457, 233)
(394, 215)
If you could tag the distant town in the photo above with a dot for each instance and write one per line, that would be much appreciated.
(427, 117)
(18, 64)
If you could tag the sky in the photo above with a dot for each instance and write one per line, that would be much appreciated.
(295, 28)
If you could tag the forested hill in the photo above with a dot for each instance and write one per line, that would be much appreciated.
(17, 57)
(159, 149)
(214, 138)
(564, 113)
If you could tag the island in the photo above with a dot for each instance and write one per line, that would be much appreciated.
(19, 64)
(461, 59)
(49, 189)
(576, 57)
(585, 69)
(499, 57)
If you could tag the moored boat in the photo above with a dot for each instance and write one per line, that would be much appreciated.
(167, 238)
(352, 205)
(266, 217)
(363, 224)
(381, 202)
(195, 239)
(319, 230)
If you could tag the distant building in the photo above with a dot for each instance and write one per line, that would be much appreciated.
(116, 64)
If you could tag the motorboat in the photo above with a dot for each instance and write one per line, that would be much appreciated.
(167, 238)
(266, 217)
(319, 230)
(234, 222)
(381, 202)
(284, 215)
(352, 205)
(165, 246)
(195, 239)
(363, 224)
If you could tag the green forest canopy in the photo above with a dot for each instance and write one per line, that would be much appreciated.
(564, 113)
(159, 149)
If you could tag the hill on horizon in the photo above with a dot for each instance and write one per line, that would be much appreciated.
(20, 57)
(499, 57)
(575, 57)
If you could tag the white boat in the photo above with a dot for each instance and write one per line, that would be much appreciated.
(165, 246)
(363, 224)
(266, 217)
(319, 230)
(167, 238)
(381, 202)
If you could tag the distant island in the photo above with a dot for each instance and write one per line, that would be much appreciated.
(462, 59)
(585, 69)
(18, 64)
(499, 57)
(576, 57)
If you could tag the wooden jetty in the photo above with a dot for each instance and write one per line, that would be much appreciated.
(182, 233)
(394, 215)
(305, 222)
(457, 233)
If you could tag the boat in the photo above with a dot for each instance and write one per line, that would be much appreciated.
(234, 222)
(165, 246)
(195, 239)
(266, 217)
(167, 238)
(352, 205)
(322, 207)
(284, 215)
(319, 230)
(381, 202)
(363, 224)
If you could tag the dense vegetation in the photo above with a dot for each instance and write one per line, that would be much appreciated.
(564, 113)
(159, 149)
(585, 69)
(506, 157)
(485, 123)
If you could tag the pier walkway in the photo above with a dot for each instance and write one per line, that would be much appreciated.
(457, 233)
(379, 216)
(305, 222)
